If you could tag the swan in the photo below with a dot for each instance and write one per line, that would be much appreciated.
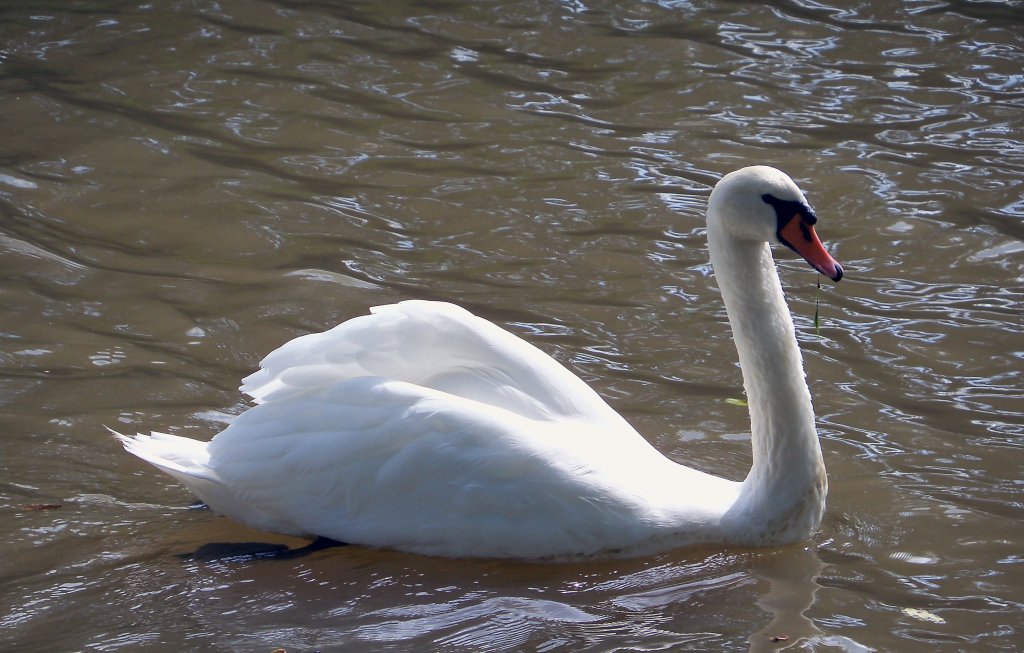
(422, 427)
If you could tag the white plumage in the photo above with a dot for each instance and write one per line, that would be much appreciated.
(424, 428)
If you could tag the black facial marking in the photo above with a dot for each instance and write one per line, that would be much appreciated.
(784, 212)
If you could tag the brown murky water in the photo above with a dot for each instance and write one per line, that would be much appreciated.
(186, 185)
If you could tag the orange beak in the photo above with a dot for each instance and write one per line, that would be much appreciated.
(800, 237)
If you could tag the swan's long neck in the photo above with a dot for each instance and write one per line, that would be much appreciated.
(785, 489)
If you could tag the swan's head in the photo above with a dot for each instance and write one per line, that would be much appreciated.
(762, 204)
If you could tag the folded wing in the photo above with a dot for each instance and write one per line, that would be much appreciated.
(438, 346)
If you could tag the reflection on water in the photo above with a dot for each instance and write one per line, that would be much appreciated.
(185, 186)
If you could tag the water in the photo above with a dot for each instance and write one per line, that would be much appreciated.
(186, 185)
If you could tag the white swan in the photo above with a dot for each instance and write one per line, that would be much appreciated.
(424, 428)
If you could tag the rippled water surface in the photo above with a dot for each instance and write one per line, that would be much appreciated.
(186, 185)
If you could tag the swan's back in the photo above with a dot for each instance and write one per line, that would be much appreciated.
(435, 345)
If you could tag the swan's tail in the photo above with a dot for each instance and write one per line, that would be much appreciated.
(185, 459)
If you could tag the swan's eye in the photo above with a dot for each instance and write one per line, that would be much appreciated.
(786, 210)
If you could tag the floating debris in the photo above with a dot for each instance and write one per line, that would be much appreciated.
(817, 320)
(923, 615)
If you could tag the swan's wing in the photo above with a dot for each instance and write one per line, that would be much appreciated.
(434, 345)
(390, 464)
